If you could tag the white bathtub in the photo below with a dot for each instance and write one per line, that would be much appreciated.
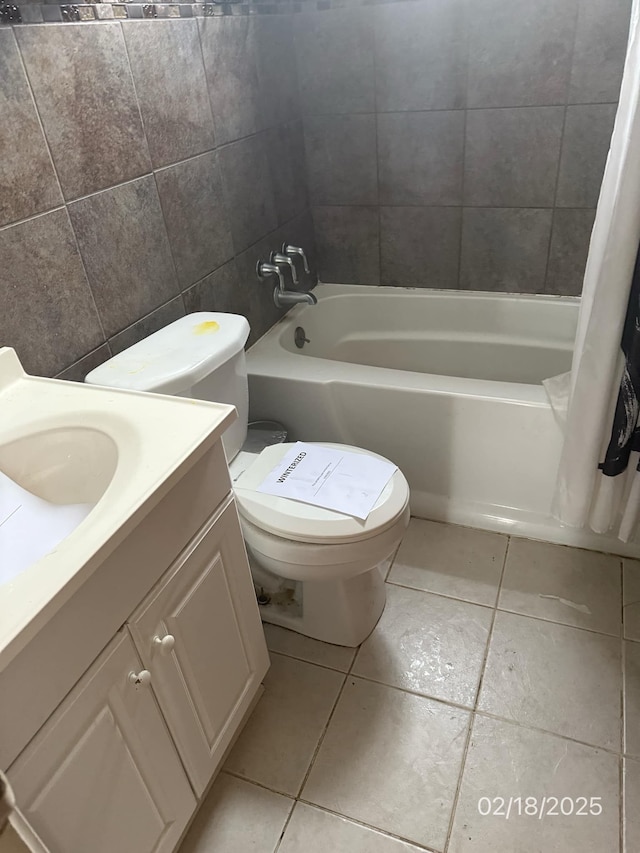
(444, 383)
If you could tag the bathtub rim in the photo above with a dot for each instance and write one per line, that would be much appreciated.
(267, 355)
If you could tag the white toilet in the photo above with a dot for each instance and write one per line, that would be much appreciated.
(316, 571)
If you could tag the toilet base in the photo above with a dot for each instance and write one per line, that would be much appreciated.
(342, 612)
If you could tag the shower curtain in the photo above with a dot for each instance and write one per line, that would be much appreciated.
(598, 403)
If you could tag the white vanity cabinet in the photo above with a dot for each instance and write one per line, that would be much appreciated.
(200, 637)
(121, 760)
(103, 774)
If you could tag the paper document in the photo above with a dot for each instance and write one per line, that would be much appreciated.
(31, 527)
(329, 477)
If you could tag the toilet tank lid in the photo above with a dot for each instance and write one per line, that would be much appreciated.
(175, 358)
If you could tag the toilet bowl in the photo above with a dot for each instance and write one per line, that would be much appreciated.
(323, 572)
(316, 571)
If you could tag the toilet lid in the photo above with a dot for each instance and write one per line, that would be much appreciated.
(307, 523)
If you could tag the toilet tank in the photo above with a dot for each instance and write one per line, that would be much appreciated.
(200, 356)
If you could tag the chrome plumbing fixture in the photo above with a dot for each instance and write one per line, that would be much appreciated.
(281, 296)
(296, 251)
(278, 258)
(265, 270)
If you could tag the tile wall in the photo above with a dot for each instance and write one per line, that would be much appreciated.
(459, 144)
(145, 166)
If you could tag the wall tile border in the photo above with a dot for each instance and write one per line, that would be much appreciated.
(54, 12)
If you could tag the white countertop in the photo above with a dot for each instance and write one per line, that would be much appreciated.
(158, 439)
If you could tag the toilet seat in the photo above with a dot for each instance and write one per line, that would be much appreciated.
(304, 523)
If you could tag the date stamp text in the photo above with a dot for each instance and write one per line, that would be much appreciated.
(540, 807)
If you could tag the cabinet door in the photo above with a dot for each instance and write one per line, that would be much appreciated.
(200, 635)
(103, 775)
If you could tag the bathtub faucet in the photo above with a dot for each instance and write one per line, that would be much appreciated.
(292, 251)
(281, 296)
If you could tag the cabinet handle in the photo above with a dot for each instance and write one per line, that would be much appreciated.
(164, 644)
(142, 677)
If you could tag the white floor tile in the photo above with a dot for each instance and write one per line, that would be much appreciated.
(312, 830)
(455, 561)
(277, 744)
(429, 644)
(507, 761)
(631, 599)
(632, 698)
(631, 810)
(554, 677)
(391, 759)
(222, 824)
(566, 585)
(304, 648)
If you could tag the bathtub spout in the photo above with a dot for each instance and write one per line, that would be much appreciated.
(283, 298)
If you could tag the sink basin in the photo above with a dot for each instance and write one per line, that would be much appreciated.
(116, 452)
(49, 483)
(64, 465)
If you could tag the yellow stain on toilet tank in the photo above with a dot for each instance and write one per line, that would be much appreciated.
(206, 327)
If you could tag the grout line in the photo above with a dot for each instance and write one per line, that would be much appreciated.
(146, 174)
(563, 624)
(285, 826)
(322, 736)
(462, 191)
(306, 660)
(463, 764)
(411, 205)
(464, 144)
(264, 787)
(87, 278)
(493, 622)
(576, 21)
(499, 609)
(167, 166)
(443, 595)
(78, 360)
(482, 713)
(206, 82)
(555, 207)
(140, 177)
(489, 715)
(370, 826)
(18, 222)
(146, 316)
(557, 105)
(166, 231)
(155, 180)
(621, 809)
(62, 205)
(472, 717)
(350, 673)
(135, 92)
(374, 48)
(23, 66)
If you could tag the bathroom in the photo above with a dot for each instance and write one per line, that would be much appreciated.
(152, 156)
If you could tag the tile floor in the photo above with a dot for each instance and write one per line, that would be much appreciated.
(501, 669)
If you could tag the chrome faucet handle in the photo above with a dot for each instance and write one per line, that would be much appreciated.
(277, 258)
(265, 271)
(297, 250)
